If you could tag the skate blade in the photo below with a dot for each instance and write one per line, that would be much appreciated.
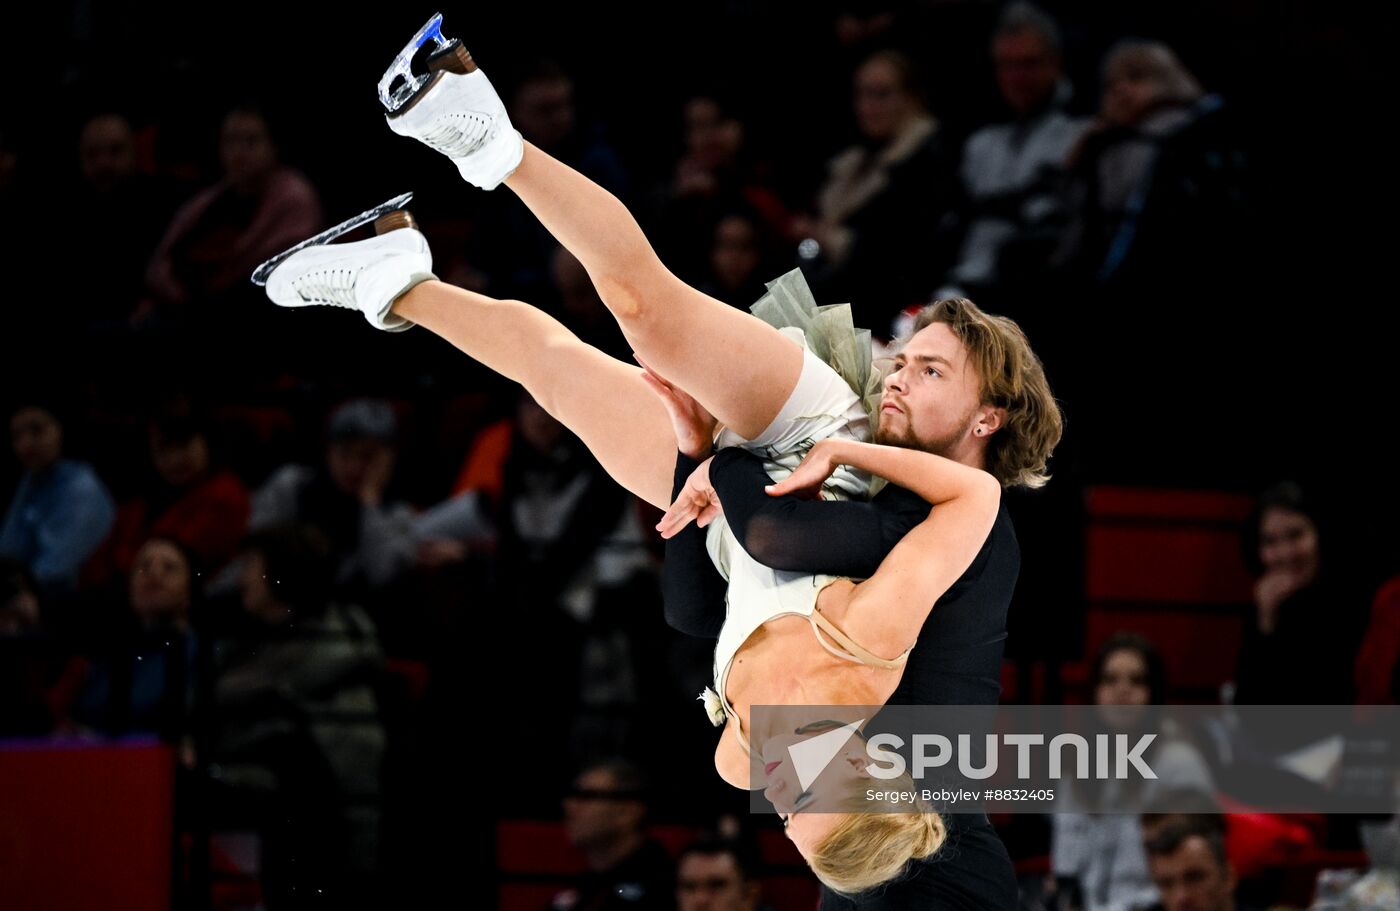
(392, 98)
(261, 273)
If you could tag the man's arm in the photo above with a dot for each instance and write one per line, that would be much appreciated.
(835, 537)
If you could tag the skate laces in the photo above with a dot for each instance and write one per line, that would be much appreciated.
(460, 133)
(333, 286)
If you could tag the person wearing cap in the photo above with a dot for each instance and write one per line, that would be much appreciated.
(345, 497)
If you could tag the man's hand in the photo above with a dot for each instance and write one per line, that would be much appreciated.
(694, 426)
(377, 476)
(807, 479)
(696, 502)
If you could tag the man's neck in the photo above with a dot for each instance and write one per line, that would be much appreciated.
(602, 858)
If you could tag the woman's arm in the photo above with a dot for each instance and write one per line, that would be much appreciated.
(887, 610)
(840, 537)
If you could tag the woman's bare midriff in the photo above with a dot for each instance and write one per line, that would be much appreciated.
(782, 663)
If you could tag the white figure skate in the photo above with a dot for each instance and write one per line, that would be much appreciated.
(366, 275)
(452, 109)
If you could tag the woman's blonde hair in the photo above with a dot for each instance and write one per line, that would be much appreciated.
(1012, 378)
(1157, 63)
(867, 849)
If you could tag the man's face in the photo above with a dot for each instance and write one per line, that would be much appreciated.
(596, 819)
(932, 397)
(1191, 879)
(1027, 70)
(544, 111)
(245, 149)
(353, 462)
(107, 152)
(36, 437)
(712, 882)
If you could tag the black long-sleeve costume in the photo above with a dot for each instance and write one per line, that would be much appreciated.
(958, 657)
(957, 660)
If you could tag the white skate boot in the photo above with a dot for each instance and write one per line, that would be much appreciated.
(452, 109)
(366, 275)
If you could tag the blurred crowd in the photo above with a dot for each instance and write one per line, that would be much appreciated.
(333, 568)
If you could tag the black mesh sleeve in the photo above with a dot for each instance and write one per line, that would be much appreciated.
(692, 590)
(833, 537)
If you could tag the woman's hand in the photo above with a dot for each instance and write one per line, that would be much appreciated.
(807, 479)
(696, 502)
(1272, 589)
(694, 426)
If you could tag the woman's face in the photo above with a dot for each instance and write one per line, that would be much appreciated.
(1123, 687)
(810, 812)
(161, 583)
(1288, 544)
(882, 104)
(735, 254)
(711, 138)
(1129, 93)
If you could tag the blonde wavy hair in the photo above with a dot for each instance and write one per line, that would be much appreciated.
(1012, 378)
(868, 849)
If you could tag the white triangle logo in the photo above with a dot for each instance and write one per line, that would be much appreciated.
(811, 756)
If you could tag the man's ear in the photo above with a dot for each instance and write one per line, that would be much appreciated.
(989, 420)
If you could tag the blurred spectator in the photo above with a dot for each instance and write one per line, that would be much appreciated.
(298, 743)
(21, 200)
(583, 311)
(572, 576)
(19, 602)
(1190, 869)
(717, 174)
(1304, 617)
(187, 499)
(123, 212)
(882, 198)
(61, 512)
(143, 679)
(38, 676)
(714, 874)
(741, 260)
(259, 208)
(605, 817)
(1100, 848)
(543, 108)
(1012, 173)
(347, 498)
(1378, 662)
(1149, 99)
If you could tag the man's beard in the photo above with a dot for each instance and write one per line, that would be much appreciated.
(904, 437)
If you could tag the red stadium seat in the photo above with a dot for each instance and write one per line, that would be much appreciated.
(1167, 564)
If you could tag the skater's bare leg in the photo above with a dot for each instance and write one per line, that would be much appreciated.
(602, 400)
